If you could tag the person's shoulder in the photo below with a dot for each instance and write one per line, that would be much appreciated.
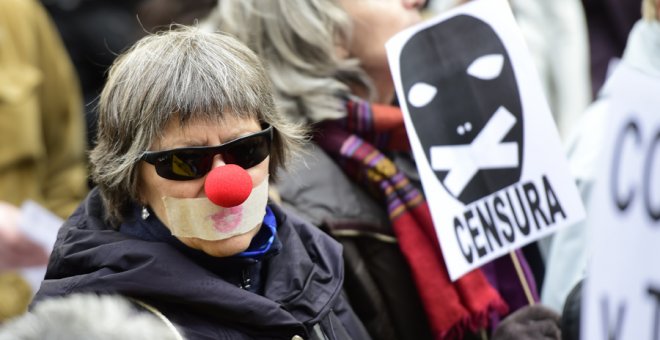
(289, 221)
(319, 191)
(312, 168)
(585, 142)
(90, 213)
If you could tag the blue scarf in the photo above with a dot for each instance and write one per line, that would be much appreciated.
(264, 245)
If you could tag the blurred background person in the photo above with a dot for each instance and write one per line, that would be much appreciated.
(569, 253)
(96, 31)
(357, 180)
(42, 141)
(608, 23)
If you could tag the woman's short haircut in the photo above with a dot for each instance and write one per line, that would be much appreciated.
(183, 74)
(298, 40)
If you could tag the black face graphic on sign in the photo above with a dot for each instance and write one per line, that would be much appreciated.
(463, 99)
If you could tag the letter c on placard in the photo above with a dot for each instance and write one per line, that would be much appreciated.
(649, 162)
(622, 200)
(467, 254)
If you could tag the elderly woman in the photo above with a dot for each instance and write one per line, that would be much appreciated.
(358, 181)
(188, 140)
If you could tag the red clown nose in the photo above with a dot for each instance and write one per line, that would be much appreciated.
(228, 186)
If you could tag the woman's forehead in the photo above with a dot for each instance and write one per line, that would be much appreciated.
(204, 131)
(212, 115)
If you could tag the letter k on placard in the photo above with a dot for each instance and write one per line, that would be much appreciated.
(485, 152)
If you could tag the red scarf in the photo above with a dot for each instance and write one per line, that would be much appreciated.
(355, 143)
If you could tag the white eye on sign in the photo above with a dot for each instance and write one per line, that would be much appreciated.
(489, 157)
(487, 67)
(421, 94)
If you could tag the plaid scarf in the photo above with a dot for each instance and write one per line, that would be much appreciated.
(355, 143)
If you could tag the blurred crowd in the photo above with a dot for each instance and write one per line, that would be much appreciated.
(64, 65)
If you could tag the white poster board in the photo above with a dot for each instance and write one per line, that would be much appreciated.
(482, 134)
(41, 226)
(622, 291)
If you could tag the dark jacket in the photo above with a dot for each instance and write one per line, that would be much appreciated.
(378, 280)
(302, 284)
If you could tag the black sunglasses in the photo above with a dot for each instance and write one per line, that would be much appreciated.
(195, 162)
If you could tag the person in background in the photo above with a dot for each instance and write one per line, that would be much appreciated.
(88, 316)
(156, 15)
(608, 24)
(42, 145)
(189, 140)
(95, 32)
(569, 254)
(357, 180)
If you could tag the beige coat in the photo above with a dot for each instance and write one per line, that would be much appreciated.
(42, 145)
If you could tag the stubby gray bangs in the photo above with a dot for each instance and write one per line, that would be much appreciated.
(187, 79)
(186, 75)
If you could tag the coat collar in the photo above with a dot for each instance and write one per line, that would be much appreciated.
(301, 282)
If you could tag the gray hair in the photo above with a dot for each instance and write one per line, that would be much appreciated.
(298, 41)
(88, 316)
(184, 74)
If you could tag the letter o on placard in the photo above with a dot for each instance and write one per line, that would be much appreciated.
(649, 162)
(622, 202)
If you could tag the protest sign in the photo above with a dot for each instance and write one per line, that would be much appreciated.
(482, 134)
(622, 290)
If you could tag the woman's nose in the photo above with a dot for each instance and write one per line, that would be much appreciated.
(218, 161)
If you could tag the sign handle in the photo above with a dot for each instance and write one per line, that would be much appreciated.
(521, 277)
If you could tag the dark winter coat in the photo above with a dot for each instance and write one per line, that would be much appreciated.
(302, 284)
(378, 279)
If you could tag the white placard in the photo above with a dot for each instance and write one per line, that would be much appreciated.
(622, 291)
(41, 226)
(484, 140)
